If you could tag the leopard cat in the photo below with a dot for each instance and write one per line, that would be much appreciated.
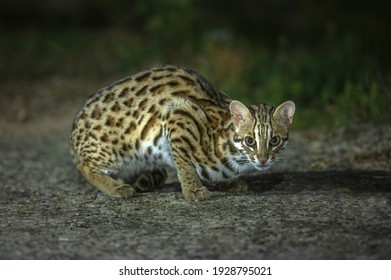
(127, 135)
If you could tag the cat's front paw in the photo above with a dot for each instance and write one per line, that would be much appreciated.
(198, 194)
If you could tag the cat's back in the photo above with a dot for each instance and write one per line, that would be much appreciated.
(149, 91)
(133, 108)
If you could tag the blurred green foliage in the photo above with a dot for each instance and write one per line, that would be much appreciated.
(330, 58)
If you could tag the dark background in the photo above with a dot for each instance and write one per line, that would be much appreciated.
(329, 198)
(330, 57)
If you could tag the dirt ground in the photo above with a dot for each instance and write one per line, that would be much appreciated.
(330, 199)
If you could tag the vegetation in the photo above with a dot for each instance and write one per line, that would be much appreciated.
(336, 73)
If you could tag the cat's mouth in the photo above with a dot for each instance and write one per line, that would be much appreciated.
(261, 166)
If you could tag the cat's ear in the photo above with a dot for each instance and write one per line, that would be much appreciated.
(240, 113)
(285, 112)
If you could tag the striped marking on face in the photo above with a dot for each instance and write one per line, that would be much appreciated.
(263, 126)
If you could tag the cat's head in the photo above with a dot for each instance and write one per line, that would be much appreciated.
(261, 131)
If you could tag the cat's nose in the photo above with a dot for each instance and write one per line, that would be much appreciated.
(262, 160)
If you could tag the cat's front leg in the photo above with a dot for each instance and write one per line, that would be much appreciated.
(192, 188)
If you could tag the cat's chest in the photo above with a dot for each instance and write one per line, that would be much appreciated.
(158, 155)
(150, 156)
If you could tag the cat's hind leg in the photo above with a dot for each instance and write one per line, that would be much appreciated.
(107, 184)
(144, 182)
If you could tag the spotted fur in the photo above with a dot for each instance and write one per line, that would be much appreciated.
(126, 135)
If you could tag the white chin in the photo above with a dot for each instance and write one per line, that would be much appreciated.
(262, 167)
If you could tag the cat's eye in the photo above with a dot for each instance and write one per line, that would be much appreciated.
(274, 141)
(249, 141)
